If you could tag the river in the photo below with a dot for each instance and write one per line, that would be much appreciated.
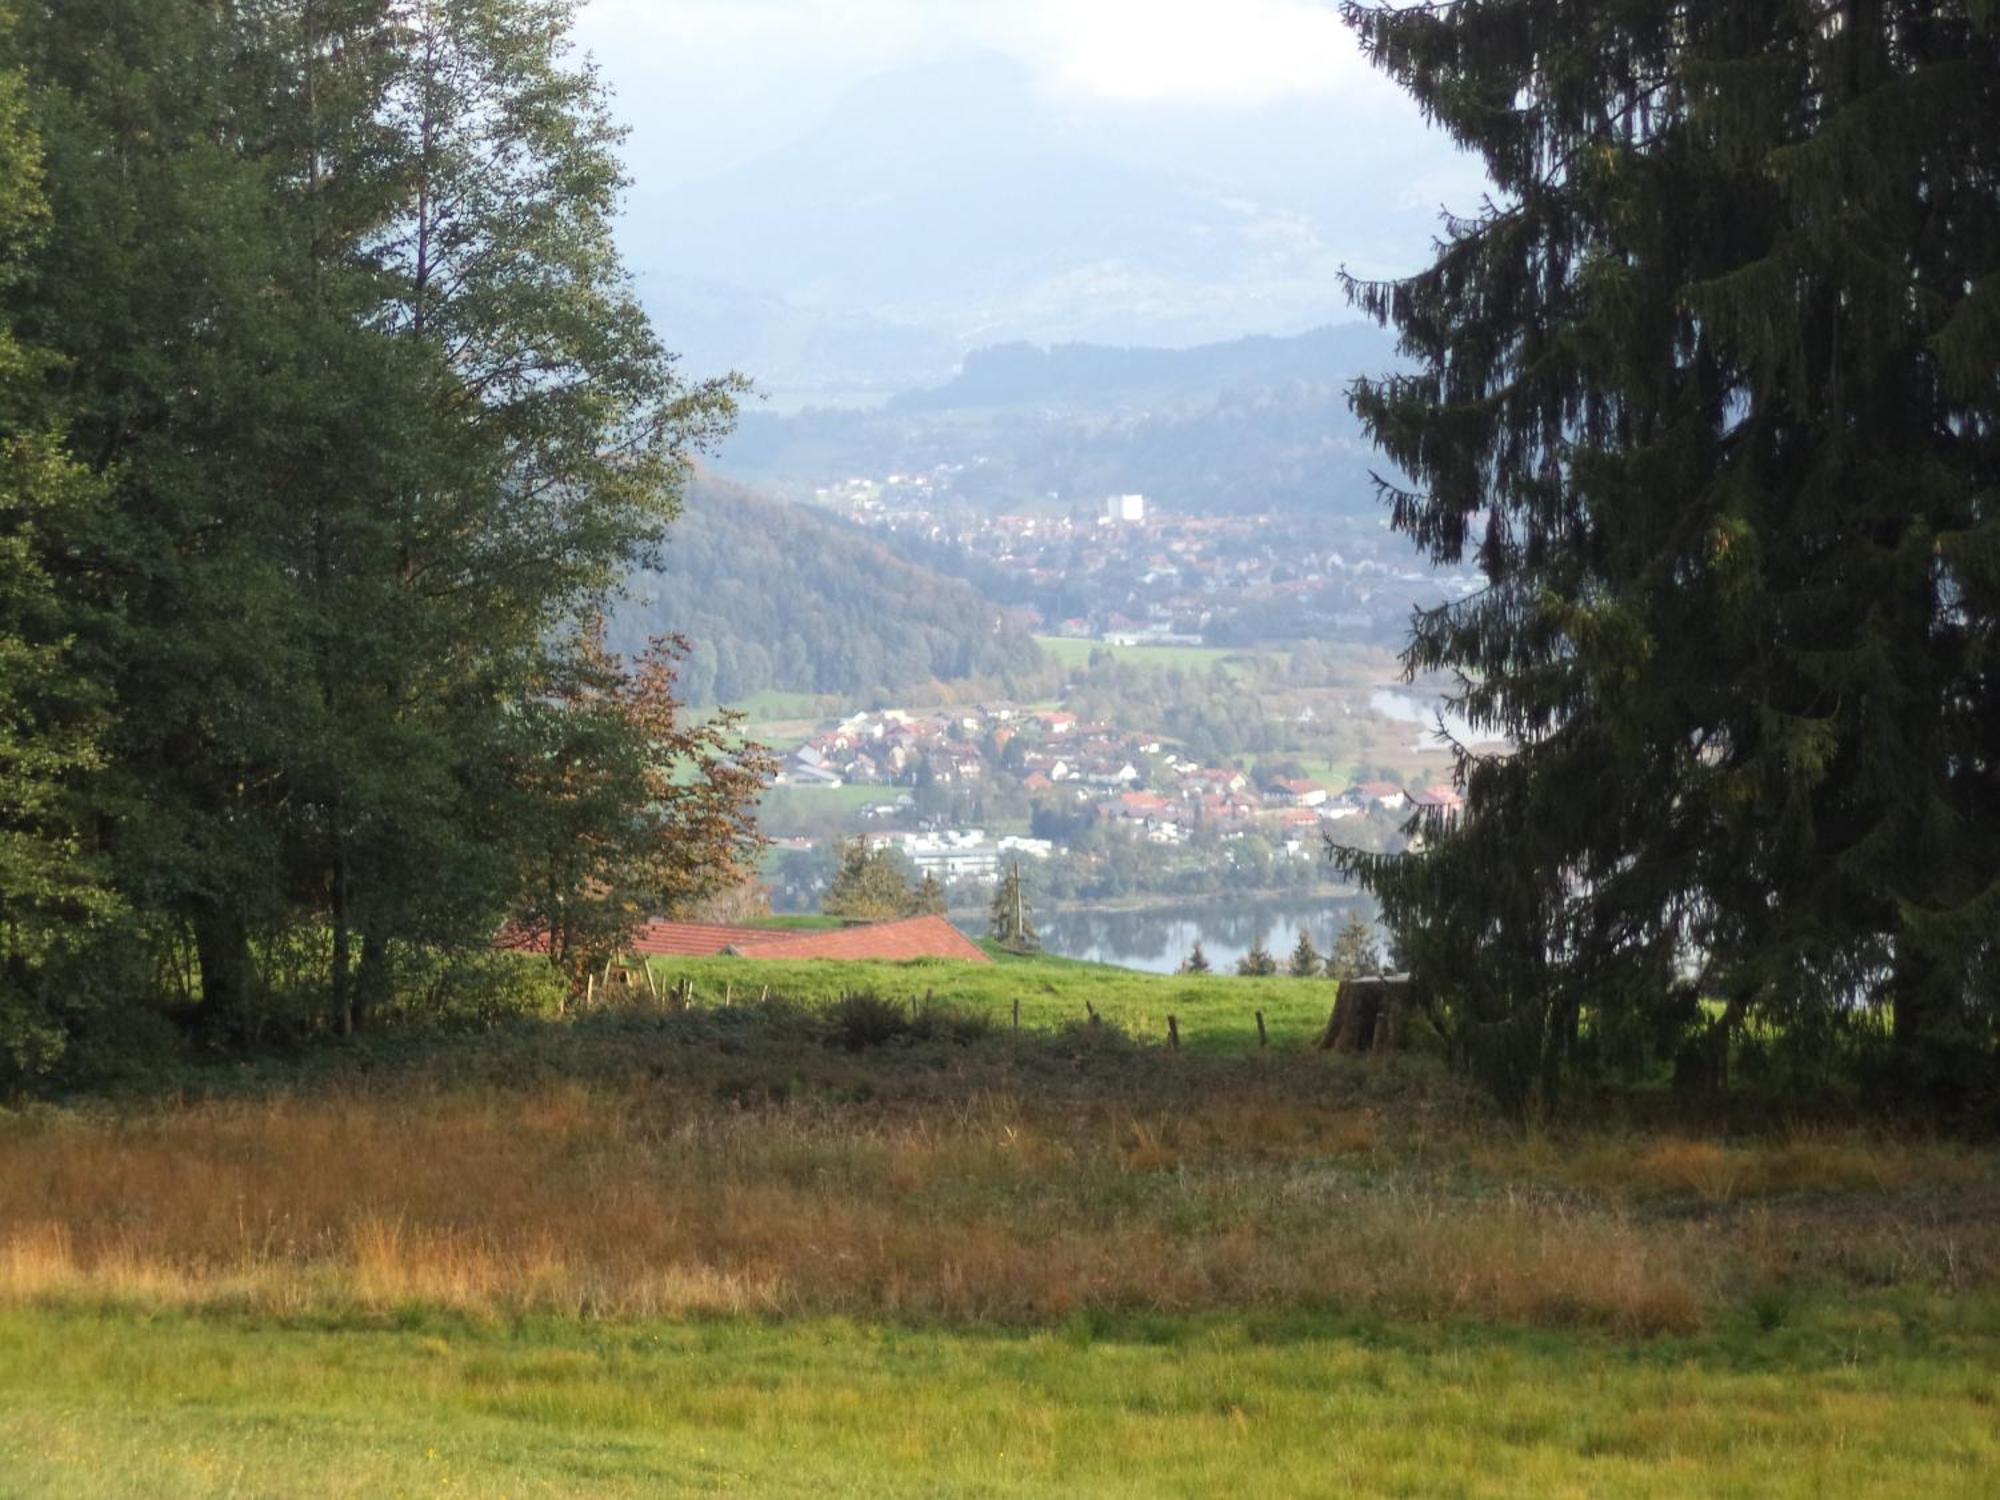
(1157, 938)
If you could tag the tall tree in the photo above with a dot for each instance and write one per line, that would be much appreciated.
(1708, 392)
(1012, 916)
(870, 885)
(167, 290)
(53, 888)
(342, 329)
(929, 899)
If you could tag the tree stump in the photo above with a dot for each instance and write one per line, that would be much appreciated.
(1367, 1015)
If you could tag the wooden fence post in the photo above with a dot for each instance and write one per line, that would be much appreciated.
(1263, 1038)
(1174, 1032)
(1017, 1012)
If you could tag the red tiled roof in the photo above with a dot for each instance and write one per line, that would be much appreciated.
(915, 937)
(694, 939)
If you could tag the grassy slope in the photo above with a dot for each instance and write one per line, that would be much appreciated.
(1216, 1012)
(719, 1253)
(1075, 653)
(174, 1407)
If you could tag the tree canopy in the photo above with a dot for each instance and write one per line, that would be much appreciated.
(1709, 392)
(329, 420)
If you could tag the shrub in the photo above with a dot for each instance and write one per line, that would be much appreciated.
(865, 1019)
(473, 989)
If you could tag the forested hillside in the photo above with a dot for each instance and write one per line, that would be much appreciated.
(780, 596)
(1244, 427)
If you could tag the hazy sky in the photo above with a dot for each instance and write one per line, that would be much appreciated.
(709, 83)
(1156, 172)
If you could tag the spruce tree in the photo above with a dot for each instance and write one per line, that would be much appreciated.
(1258, 962)
(929, 899)
(1012, 919)
(1707, 392)
(1197, 961)
(1354, 953)
(1306, 961)
(869, 886)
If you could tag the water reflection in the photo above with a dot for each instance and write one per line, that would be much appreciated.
(1403, 708)
(1159, 938)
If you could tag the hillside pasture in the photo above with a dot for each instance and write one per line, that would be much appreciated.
(1076, 654)
(1216, 1012)
(890, 1248)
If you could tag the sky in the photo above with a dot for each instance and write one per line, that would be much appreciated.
(708, 84)
(1156, 172)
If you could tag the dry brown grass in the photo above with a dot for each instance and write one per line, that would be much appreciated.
(665, 1196)
(1808, 1164)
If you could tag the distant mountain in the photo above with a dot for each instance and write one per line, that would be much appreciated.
(1095, 377)
(1249, 425)
(779, 596)
(799, 354)
(959, 200)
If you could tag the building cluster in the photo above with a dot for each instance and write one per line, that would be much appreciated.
(1290, 813)
(969, 746)
(1128, 779)
(1123, 571)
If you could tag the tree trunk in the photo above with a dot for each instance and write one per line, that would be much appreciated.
(222, 948)
(371, 980)
(341, 913)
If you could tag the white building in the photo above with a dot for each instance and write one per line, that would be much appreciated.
(967, 853)
(1125, 508)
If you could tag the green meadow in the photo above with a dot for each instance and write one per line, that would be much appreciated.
(865, 1237)
(175, 1408)
(1214, 1011)
(1077, 653)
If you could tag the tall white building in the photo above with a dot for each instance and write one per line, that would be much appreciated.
(1125, 508)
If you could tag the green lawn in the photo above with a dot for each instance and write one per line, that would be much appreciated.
(1074, 653)
(173, 1406)
(1335, 775)
(1215, 1012)
(779, 802)
(773, 705)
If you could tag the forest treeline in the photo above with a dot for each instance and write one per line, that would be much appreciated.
(1279, 442)
(327, 421)
(778, 596)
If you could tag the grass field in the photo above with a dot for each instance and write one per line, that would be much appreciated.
(174, 1407)
(773, 705)
(1215, 1011)
(1076, 653)
(781, 804)
(887, 1250)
